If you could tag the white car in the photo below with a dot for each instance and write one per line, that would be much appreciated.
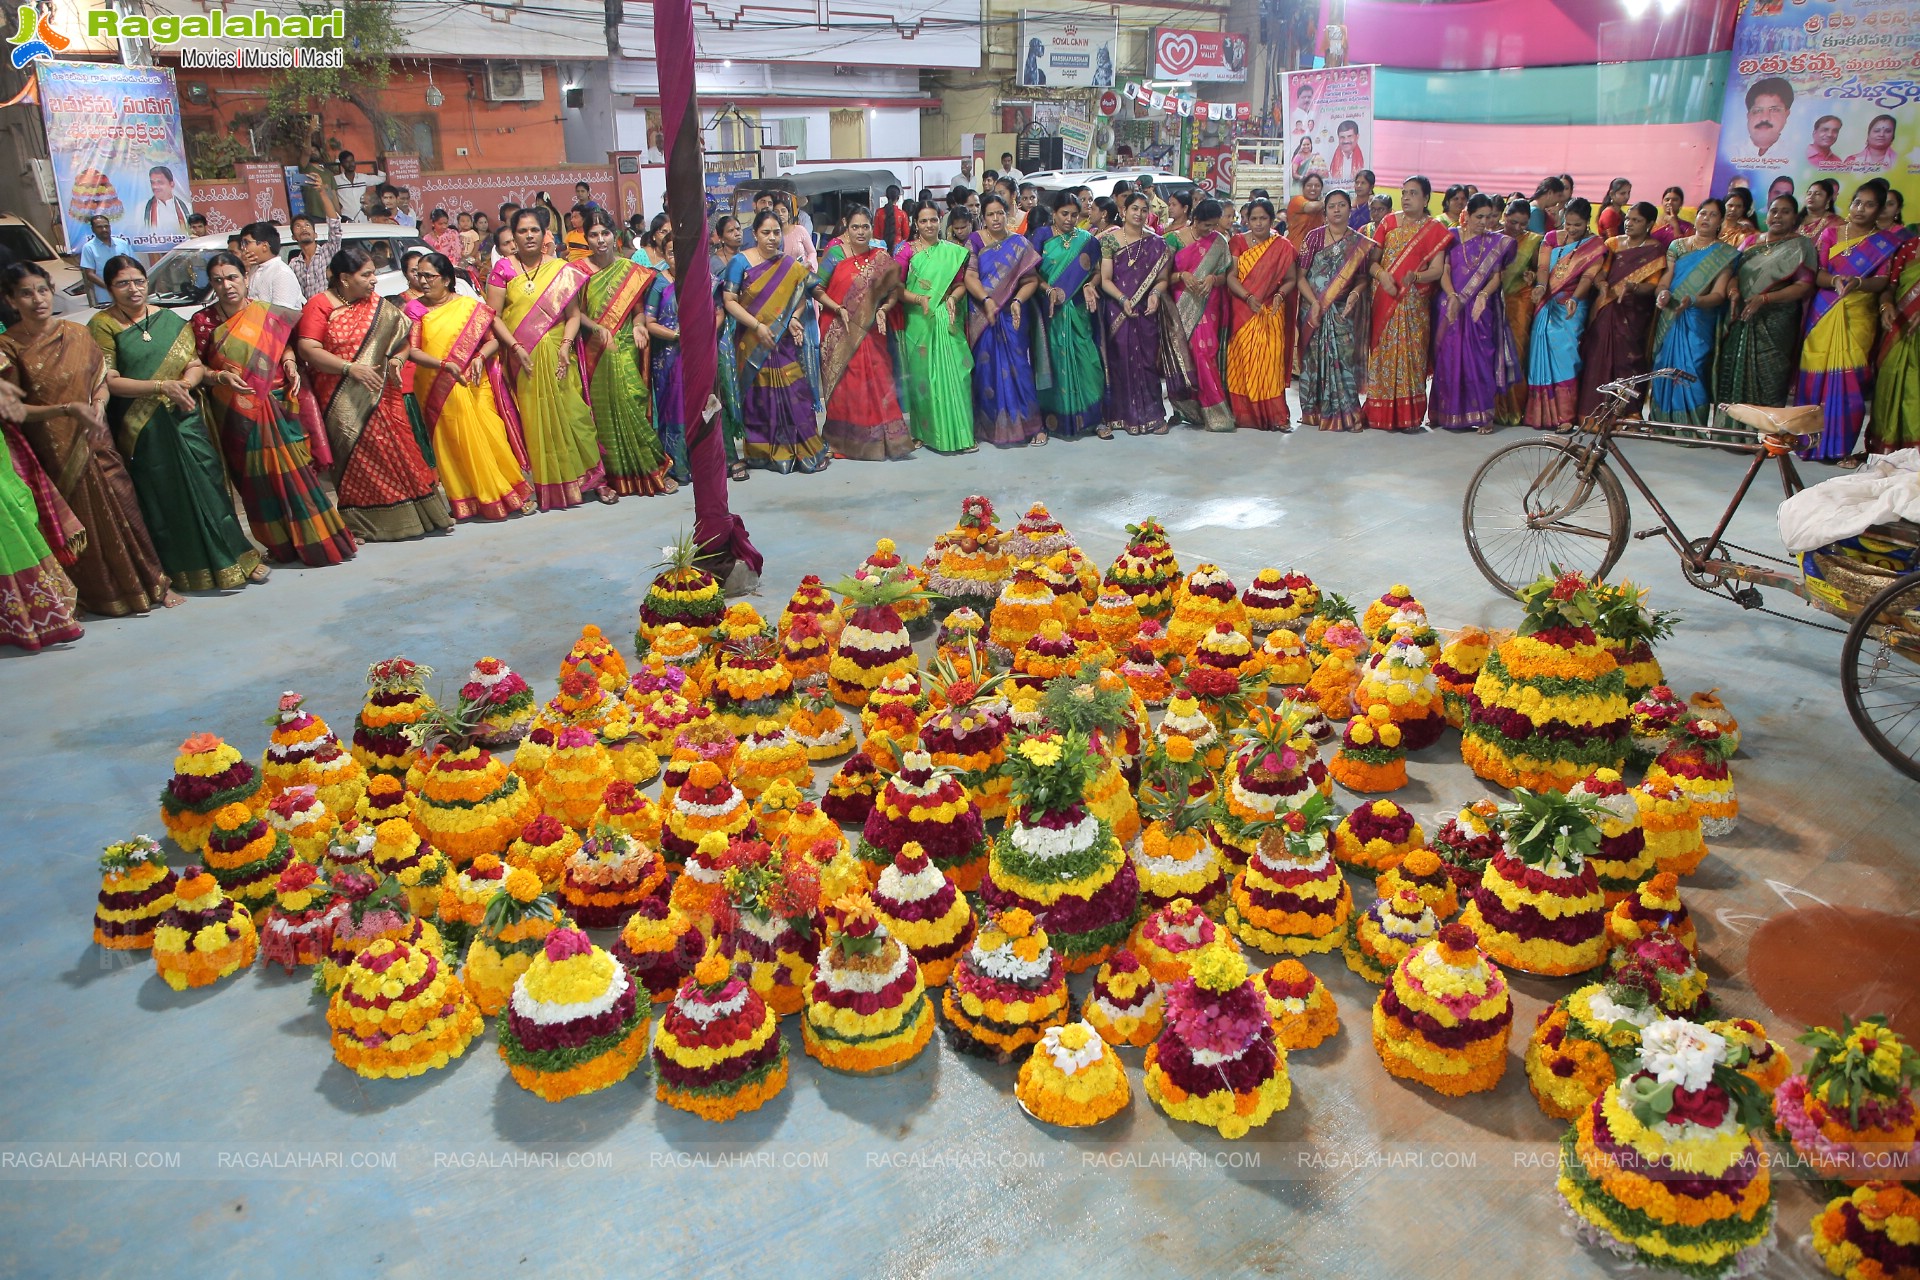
(1102, 180)
(23, 240)
(178, 281)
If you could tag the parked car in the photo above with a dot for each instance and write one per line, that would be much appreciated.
(23, 240)
(823, 193)
(178, 281)
(1102, 180)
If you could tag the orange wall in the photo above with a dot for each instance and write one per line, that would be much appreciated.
(497, 135)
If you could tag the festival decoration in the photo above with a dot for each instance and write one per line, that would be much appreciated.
(298, 814)
(1275, 600)
(1299, 1005)
(1073, 1078)
(972, 563)
(1177, 857)
(1670, 823)
(298, 932)
(867, 1011)
(208, 775)
(1217, 1061)
(608, 877)
(774, 899)
(659, 945)
(1126, 1006)
(1008, 989)
(1146, 569)
(1168, 940)
(1653, 905)
(1290, 898)
(497, 703)
(931, 808)
(1628, 628)
(1695, 761)
(853, 791)
(1037, 536)
(1622, 861)
(396, 698)
(1467, 841)
(718, 1051)
(303, 752)
(1539, 908)
(1871, 1233)
(874, 643)
(1385, 932)
(1657, 716)
(1274, 769)
(400, 1012)
(1444, 1017)
(1376, 837)
(136, 889)
(1373, 756)
(203, 936)
(1456, 670)
(682, 592)
(1422, 872)
(1400, 678)
(576, 1022)
(246, 855)
(1850, 1115)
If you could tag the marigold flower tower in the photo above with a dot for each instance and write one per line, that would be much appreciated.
(303, 751)
(1008, 989)
(928, 807)
(1126, 1006)
(514, 929)
(1850, 1115)
(773, 896)
(397, 697)
(718, 1051)
(1217, 1062)
(867, 1010)
(208, 775)
(1073, 1078)
(400, 1012)
(204, 935)
(1146, 569)
(298, 932)
(874, 643)
(1290, 898)
(682, 592)
(136, 888)
(972, 563)
(1539, 907)
(1444, 1018)
(576, 1023)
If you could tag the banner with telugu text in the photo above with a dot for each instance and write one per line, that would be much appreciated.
(1329, 124)
(114, 138)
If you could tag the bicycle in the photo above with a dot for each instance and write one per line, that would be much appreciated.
(1555, 503)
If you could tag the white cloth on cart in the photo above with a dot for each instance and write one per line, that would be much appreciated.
(1885, 488)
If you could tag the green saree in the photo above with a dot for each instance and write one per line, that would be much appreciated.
(936, 362)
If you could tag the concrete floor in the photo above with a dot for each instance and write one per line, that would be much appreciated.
(931, 1172)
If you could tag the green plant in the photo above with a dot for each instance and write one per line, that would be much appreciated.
(374, 38)
(212, 156)
(1549, 826)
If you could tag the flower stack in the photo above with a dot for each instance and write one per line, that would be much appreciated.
(1288, 668)
(819, 727)
(598, 652)
(1146, 569)
(203, 936)
(1383, 935)
(608, 877)
(1008, 989)
(1653, 905)
(1126, 1006)
(689, 652)
(773, 810)
(1047, 655)
(808, 828)
(774, 896)
(1408, 622)
(1457, 668)
(1057, 859)
(1670, 823)
(1539, 908)
(1628, 628)
(376, 908)
(1708, 706)
(1146, 678)
(1622, 862)
(1376, 837)
(768, 755)
(1274, 767)
(576, 777)
(1657, 717)
(659, 945)
(1372, 757)
(718, 1051)
(1850, 1116)
(298, 932)
(681, 592)
(1328, 611)
(1037, 536)
(580, 704)
(401, 1012)
(298, 814)
(1401, 679)
(1168, 939)
(136, 888)
(1217, 1061)
(246, 855)
(469, 804)
(1696, 762)
(1275, 600)
(397, 698)
(853, 791)
(806, 650)
(498, 703)
(629, 754)
(1177, 856)
(918, 905)
(1444, 1018)
(208, 775)
(413, 864)
(1467, 841)
(893, 730)
(1394, 599)
(1224, 674)
(576, 1023)
(1290, 898)
(708, 804)
(1422, 872)
(1583, 1040)
(302, 751)
(1550, 705)
(928, 807)
(874, 643)
(811, 597)
(1685, 1110)
(1092, 703)
(512, 932)
(1073, 1078)
(464, 896)
(1767, 1063)
(543, 847)
(968, 735)
(961, 642)
(1206, 598)
(1300, 1005)
(1338, 670)
(1057, 573)
(973, 562)
(1115, 618)
(1185, 719)
(1871, 1233)
(703, 737)
(867, 1011)
(750, 684)
(916, 611)
(1665, 967)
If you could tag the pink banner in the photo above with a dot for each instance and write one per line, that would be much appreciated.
(1508, 158)
(1480, 35)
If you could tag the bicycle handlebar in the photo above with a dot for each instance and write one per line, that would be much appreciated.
(1622, 388)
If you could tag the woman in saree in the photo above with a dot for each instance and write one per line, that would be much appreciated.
(1611, 221)
(1823, 197)
(1195, 325)
(535, 299)
(613, 363)
(1133, 284)
(1473, 357)
(1895, 423)
(862, 286)
(453, 343)
(577, 248)
(1333, 298)
(1453, 206)
(1760, 337)
(1265, 276)
(663, 345)
(936, 363)
(354, 343)
(1306, 211)
(655, 250)
(1413, 247)
(1567, 271)
(1516, 293)
(153, 371)
(1615, 343)
(761, 351)
(1178, 228)
(1073, 399)
(38, 605)
(1002, 277)
(252, 376)
(1855, 260)
(1693, 292)
(60, 374)
(1737, 227)
(1670, 226)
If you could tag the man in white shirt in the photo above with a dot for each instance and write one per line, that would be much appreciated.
(1007, 170)
(165, 211)
(269, 280)
(350, 187)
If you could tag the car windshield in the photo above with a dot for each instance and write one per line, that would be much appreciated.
(180, 279)
(24, 243)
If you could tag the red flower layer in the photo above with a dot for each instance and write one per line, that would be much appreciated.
(867, 1003)
(1625, 847)
(411, 992)
(538, 1036)
(194, 921)
(1530, 924)
(1652, 917)
(881, 656)
(1875, 1112)
(975, 983)
(1222, 591)
(1268, 900)
(662, 972)
(708, 797)
(1281, 990)
(381, 744)
(1878, 1246)
(1692, 764)
(848, 810)
(1622, 1156)
(189, 790)
(146, 897)
(948, 844)
(1566, 637)
(234, 841)
(1114, 901)
(678, 1077)
(731, 1029)
(942, 733)
(932, 907)
(1366, 825)
(1540, 883)
(1260, 782)
(1291, 875)
(598, 916)
(1520, 727)
(1448, 674)
(1439, 1034)
(787, 943)
(1242, 1075)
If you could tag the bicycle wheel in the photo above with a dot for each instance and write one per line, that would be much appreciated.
(1880, 674)
(1527, 509)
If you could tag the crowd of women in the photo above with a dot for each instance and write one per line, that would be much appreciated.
(989, 319)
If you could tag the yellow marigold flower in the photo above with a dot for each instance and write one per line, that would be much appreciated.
(1361, 732)
(712, 846)
(1179, 748)
(1017, 923)
(1044, 752)
(1075, 1036)
(713, 967)
(1390, 735)
(522, 885)
(1028, 948)
(486, 862)
(1219, 968)
(884, 547)
(1379, 714)
(1384, 808)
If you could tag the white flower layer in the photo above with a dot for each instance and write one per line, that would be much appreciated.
(1153, 1000)
(1263, 803)
(852, 637)
(547, 1012)
(1398, 926)
(1211, 1058)
(485, 680)
(1605, 1011)
(299, 750)
(862, 983)
(1292, 1004)
(904, 786)
(1195, 727)
(278, 924)
(1046, 844)
(707, 1013)
(768, 929)
(897, 886)
(831, 738)
(298, 818)
(687, 806)
(1323, 857)
(1202, 855)
(1002, 964)
(1681, 1053)
(1073, 1061)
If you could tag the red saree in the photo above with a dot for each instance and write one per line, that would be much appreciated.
(864, 421)
(1398, 363)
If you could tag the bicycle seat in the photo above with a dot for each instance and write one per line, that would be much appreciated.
(1798, 420)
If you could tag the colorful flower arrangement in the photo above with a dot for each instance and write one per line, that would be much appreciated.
(1225, 675)
(770, 754)
(1456, 670)
(246, 855)
(1850, 1115)
(1767, 1063)
(819, 727)
(874, 643)
(718, 1051)
(1146, 678)
(961, 642)
(203, 936)
(303, 751)
(581, 703)
(772, 921)
(1664, 1169)
(1871, 1233)
(1093, 702)
(1146, 569)
(299, 814)
(1408, 622)
(681, 592)
(208, 775)
(657, 678)
(688, 651)
(1115, 619)
(469, 804)
(853, 791)
(1205, 598)
(811, 599)
(1047, 655)
(543, 847)
(415, 866)
(512, 932)
(628, 810)
(598, 652)
(1073, 1078)
(968, 735)
(298, 932)
(576, 777)
(703, 737)
(1185, 719)
(1037, 536)
(1666, 969)
(1007, 990)
(1401, 679)
(576, 1022)
(1057, 573)
(931, 808)
(1444, 1018)
(1695, 761)
(1671, 826)
(1125, 1005)
(750, 684)
(464, 896)
(1550, 705)
(1329, 611)
(1376, 837)
(376, 908)
(1708, 706)
(1539, 907)
(1628, 628)
(1385, 932)
(918, 905)
(136, 889)
(1653, 905)
(1299, 1005)
(1290, 898)
(1372, 757)
(1177, 857)
(1422, 872)
(1622, 862)
(1057, 858)
(893, 730)
(1657, 716)
(1168, 939)
(1276, 600)
(972, 562)
(659, 945)
(1467, 841)
(1391, 601)
(1286, 662)
(806, 650)
(702, 820)
(1217, 1061)
(401, 1012)
(498, 703)
(1274, 769)
(867, 1011)
(1338, 669)
(629, 754)
(396, 698)
(885, 563)
(1584, 1040)
(608, 877)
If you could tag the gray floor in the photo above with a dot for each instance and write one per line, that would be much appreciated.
(282, 1153)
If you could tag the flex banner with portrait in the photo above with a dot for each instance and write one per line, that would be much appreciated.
(1822, 91)
(114, 135)
(1329, 125)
